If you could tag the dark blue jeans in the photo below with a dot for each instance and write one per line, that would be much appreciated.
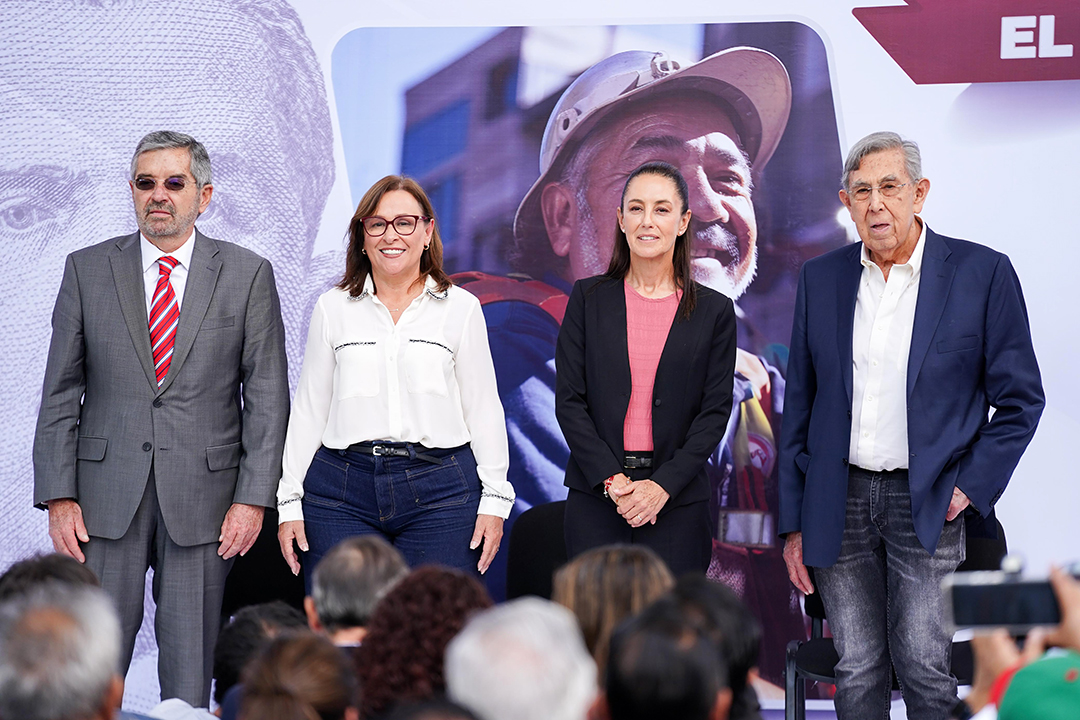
(884, 603)
(426, 511)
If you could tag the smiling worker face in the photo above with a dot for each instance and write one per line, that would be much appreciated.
(694, 134)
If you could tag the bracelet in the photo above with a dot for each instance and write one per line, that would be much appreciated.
(607, 485)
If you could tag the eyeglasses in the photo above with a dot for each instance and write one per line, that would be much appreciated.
(173, 184)
(887, 190)
(375, 226)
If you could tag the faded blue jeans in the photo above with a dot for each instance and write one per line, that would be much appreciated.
(884, 604)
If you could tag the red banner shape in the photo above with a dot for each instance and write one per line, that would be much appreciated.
(969, 41)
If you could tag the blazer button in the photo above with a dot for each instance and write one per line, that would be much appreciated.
(656, 402)
(158, 403)
(147, 447)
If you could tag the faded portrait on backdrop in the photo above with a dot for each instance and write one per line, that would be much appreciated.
(80, 83)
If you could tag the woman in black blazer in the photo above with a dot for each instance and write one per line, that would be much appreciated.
(655, 496)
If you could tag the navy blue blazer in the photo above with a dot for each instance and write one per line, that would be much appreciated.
(691, 392)
(970, 351)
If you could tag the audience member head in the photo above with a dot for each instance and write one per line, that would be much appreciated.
(251, 630)
(27, 574)
(606, 585)
(402, 655)
(525, 660)
(662, 666)
(1047, 689)
(59, 654)
(732, 628)
(434, 709)
(1046, 686)
(300, 676)
(348, 582)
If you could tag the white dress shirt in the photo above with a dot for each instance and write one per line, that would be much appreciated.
(429, 379)
(880, 345)
(151, 253)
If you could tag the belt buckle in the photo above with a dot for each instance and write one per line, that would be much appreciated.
(381, 450)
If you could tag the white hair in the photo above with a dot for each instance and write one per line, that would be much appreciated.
(880, 142)
(59, 653)
(524, 659)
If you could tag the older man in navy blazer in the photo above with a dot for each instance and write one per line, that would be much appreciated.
(901, 345)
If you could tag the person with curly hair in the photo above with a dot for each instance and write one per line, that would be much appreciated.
(300, 676)
(402, 655)
(606, 585)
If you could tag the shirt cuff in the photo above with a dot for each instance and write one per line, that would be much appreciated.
(492, 504)
(289, 510)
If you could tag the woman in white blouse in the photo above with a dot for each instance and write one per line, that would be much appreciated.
(396, 427)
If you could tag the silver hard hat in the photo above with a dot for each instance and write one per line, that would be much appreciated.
(752, 82)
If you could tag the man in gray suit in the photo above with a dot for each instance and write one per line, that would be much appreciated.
(163, 411)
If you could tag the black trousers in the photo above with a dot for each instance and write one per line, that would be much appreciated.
(681, 536)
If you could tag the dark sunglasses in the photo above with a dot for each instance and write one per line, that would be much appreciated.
(173, 184)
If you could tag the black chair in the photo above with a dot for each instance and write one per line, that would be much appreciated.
(537, 549)
(815, 660)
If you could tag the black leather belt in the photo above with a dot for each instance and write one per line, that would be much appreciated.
(409, 450)
(638, 460)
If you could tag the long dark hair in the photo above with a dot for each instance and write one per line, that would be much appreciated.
(358, 265)
(620, 255)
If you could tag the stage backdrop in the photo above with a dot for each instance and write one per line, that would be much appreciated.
(304, 105)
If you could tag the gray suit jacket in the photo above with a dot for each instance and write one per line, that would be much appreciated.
(215, 429)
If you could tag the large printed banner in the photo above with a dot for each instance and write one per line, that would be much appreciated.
(521, 124)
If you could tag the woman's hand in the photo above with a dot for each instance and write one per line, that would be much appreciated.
(489, 531)
(287, 532)
(619, 488)
(641, 502)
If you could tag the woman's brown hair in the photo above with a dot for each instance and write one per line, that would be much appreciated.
(299, 676)
(401, 658)
(606, 585)
(357, 264)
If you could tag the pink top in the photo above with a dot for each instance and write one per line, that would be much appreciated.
(648, 321)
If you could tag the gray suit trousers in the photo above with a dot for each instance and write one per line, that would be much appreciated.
(189, 583)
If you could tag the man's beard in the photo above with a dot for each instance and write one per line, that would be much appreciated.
(588, 239)
(718, 261)
(175, 225)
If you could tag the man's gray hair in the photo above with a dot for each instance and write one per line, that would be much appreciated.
(59, 653)
(351, 579)
(167, 140)
(878, 142)
(524, 659)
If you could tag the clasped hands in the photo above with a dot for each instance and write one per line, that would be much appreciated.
(638, 501)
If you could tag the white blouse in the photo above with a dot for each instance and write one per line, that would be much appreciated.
(429, 379)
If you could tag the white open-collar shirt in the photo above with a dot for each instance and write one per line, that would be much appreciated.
(880, 346)
(428, 379)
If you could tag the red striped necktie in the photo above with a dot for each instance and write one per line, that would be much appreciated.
(164, 317)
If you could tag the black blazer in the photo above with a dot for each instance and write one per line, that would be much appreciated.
(691, 393)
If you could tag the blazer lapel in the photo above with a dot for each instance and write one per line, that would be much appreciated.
(937, 276)
(201, 281)
(847, 293)
(128, 277)
(683, 335)
(613, 311)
